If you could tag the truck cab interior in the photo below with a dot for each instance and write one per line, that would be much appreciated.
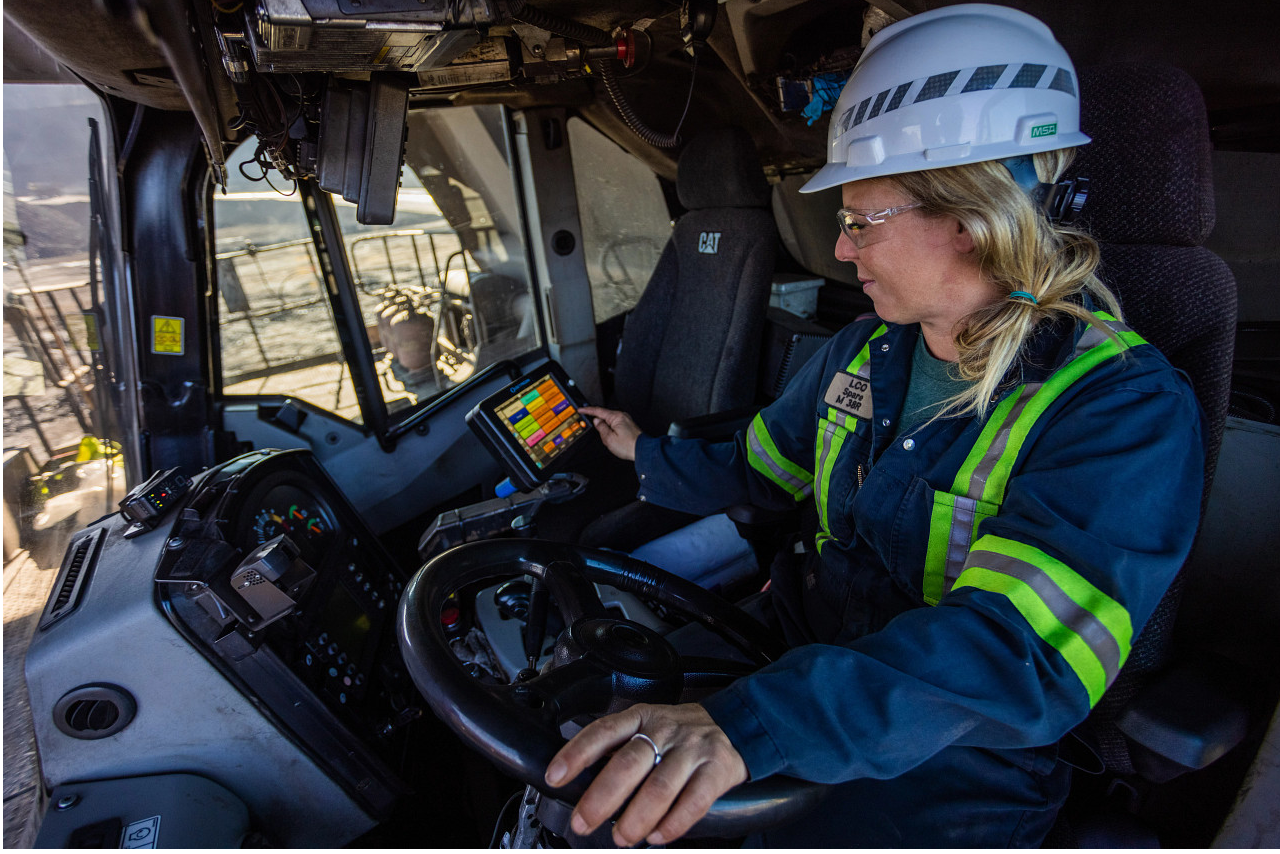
(356, 266)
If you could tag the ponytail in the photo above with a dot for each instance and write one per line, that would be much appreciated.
(1039, 268)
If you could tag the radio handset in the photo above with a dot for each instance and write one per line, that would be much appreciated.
(270, 580)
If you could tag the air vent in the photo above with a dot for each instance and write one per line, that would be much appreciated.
(77, 564)
(94, 711)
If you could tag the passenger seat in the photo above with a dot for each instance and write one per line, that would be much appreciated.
(691, 346)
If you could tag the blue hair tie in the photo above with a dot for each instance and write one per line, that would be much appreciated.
(1023, 295)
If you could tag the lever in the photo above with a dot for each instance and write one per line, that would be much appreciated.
(535, 630)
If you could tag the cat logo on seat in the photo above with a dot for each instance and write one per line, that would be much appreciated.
(709, 242)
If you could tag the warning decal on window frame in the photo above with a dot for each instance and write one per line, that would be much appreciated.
(166, 335)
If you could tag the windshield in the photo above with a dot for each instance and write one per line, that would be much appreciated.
(443, 290)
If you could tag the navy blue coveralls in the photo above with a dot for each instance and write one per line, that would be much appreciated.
(974, 586)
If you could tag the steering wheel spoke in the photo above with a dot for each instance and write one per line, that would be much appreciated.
(576, 597)
(703, 675)
(580, 687)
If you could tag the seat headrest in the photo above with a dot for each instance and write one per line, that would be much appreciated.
(1151, 179)
(721, 169)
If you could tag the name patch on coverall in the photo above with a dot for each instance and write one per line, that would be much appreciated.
(850, 393)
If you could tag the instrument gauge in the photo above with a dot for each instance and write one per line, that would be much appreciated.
(288, 510)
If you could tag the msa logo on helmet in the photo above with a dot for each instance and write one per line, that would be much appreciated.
(1044, 130)
(709, 242)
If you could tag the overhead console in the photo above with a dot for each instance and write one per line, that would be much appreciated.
(294, 36)
(325, 85)
(349, 135)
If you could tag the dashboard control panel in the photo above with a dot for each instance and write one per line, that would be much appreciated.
(276, 577)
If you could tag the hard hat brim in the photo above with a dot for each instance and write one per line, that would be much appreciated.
(835, 174)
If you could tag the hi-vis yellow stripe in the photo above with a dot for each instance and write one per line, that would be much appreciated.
(1091, 631)
(832, 432)
(764, 456)
(979, 487)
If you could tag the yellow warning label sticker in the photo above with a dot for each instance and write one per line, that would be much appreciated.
(91, 332)
(166, 335)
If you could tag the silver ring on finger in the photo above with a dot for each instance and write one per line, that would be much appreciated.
(657, 754)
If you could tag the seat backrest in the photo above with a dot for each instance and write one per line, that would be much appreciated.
(691, 346)
(1151, 206)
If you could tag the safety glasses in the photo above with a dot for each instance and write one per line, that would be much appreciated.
(854, 223)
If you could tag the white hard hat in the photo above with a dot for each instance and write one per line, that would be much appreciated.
(959, 84)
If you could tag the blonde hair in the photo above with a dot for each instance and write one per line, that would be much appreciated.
(1017, 249)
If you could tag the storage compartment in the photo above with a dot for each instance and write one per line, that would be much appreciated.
(796, 294)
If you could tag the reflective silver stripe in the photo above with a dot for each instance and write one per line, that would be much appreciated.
(959, 538)
(798, 487)
(978, 482)
(1092, 337)
(828, 436)
(1096, 636)
(825, 440)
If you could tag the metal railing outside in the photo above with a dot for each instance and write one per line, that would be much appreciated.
(284, 293)
(424, 270)
(413, 239)
(48, 322)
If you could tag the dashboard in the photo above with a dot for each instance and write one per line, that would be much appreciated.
(277, 580)
(283, 586)
(332, 639)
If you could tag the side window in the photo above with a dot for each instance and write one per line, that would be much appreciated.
(625, 222)
(277, 332)
(62, 469)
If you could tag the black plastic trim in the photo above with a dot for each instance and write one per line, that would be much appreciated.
(77, 565)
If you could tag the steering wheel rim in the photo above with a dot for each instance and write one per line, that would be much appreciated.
(515, 726)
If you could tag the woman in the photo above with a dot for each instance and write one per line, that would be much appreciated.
(1006, 481)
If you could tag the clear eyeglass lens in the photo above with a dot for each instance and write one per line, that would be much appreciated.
(849, 224)
(854, 225)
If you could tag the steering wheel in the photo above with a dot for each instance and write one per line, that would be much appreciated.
(601, 664)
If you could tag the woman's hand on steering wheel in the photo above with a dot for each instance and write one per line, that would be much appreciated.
(673, 789)
(617, 430)
(605, 663)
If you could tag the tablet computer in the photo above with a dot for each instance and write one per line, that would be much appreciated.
(533, 425)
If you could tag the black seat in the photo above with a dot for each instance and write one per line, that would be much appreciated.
(691, 346)
(1151, 207)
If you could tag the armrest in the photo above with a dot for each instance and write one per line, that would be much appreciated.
(716, 426)
(1185, 720)
(751, 515)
